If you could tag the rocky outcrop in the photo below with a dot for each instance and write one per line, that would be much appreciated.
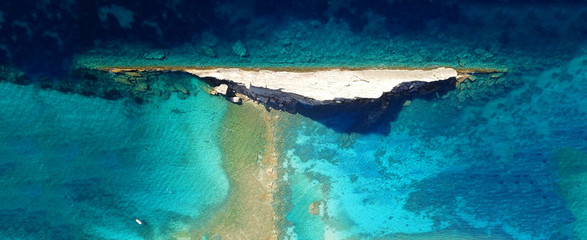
(324, 86)
(222, 89)
(208, 51)
(236, 100)
(155, 55)
(239, 49)
(314, 208)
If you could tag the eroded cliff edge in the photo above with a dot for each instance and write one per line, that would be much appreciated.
(325, 86)
(284, 87)
(275, 87)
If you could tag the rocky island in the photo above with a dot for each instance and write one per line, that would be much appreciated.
(281, 87)
(324, 86)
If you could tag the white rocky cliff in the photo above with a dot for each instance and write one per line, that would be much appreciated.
(325, 86)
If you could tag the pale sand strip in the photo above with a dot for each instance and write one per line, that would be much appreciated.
(328, 85)
(250, 160)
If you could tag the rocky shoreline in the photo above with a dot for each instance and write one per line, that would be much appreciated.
(329, 86)
(285, 88)
(276, 88)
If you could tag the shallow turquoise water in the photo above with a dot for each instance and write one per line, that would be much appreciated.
(479, 159)
(74, 167)
(480, 164)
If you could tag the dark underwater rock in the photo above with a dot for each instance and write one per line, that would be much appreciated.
(155, 55)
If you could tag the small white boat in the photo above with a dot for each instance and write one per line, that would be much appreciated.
(138, 221)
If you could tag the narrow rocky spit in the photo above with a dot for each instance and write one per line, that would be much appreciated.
(325, 86)
(284, 88)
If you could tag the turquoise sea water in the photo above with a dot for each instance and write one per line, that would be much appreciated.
(74, 167)
(484, 165)
(480, 160)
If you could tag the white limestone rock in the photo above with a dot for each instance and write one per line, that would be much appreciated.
(221, 89)
(325, 86)
(236, 100)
